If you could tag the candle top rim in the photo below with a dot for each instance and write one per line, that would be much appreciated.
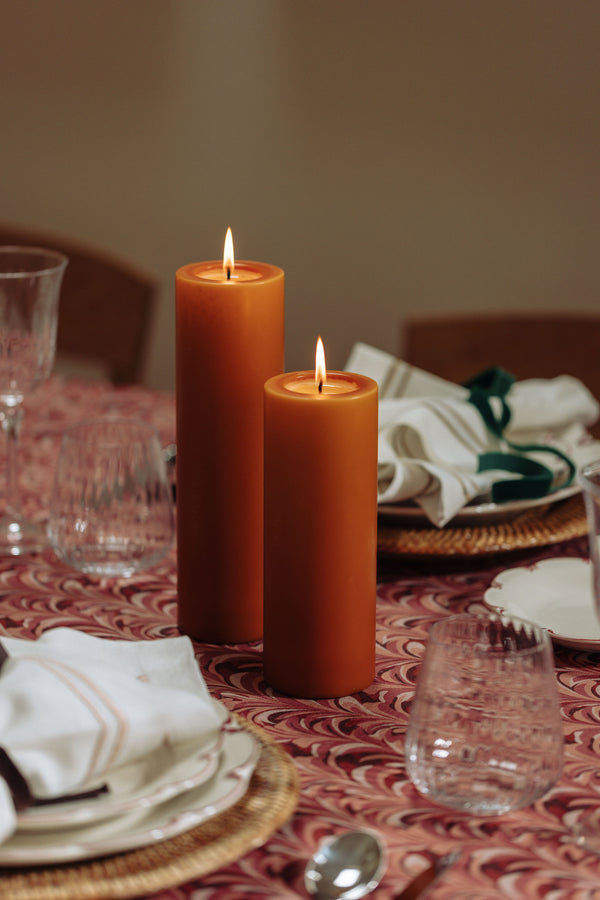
(362, 384)
(194, 271)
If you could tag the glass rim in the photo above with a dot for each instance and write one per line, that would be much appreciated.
(55, 260)
(584, 477)
(96, 423)
(539, 634)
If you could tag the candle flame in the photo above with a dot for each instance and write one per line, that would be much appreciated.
(228, 258)
(320, 370)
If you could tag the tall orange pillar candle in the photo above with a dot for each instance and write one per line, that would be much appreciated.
(320, 532)
(229, 341)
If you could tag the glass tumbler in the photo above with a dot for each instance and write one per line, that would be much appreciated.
(589, 479)
(111, 510)
(485, 733)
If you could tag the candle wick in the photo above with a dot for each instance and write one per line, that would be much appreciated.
(320, 385)
(228, 273)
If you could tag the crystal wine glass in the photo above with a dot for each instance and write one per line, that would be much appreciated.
(30, 279)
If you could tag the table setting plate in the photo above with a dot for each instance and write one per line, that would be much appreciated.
(556, 594)
(477, 513)
(268, 801)
(162, 775)
(141, 825)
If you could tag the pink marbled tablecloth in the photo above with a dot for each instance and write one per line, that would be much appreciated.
(349, 751)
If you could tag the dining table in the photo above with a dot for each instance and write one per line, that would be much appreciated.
(325, 766)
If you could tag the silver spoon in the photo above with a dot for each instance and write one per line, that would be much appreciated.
(348, 866)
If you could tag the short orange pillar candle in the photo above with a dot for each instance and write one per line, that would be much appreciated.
(229, 341)
(320, 532)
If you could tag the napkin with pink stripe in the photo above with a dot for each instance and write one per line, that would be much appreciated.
(74, 707)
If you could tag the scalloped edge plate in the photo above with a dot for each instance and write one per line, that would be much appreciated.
(556, 594)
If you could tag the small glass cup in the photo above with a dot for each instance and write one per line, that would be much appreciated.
(589, 479)
(485, 733)
(111, 511)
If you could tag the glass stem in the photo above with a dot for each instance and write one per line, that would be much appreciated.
(11, 417)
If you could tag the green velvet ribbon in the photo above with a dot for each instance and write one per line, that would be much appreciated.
(536, 478)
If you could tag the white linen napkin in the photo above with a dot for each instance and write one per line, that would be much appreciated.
(431, 437)
(73, 707)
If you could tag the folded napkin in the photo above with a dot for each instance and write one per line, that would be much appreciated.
(74, 707)
(444, 445)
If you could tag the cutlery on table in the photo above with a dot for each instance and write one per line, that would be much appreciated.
(351, 865)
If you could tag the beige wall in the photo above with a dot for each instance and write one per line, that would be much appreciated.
(391, 156)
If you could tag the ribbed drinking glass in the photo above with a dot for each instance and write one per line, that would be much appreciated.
(485, 733)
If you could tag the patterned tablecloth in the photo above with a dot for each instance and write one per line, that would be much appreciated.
(349, 751)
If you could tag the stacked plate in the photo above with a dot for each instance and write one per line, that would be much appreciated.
(171, 793)
(476, 513)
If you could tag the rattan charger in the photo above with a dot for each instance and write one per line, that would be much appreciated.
(538, 527)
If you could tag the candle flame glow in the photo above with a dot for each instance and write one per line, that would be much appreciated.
(320, 370)
(228, 258)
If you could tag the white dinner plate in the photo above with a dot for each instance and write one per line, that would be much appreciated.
(162, 775)
(555, 594)
(477, 513)
(142, 827)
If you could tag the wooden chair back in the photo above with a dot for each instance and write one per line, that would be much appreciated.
(528, 345)
(105, 310)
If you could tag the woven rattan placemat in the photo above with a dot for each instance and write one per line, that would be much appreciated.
(546, 525)
(269, 801)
